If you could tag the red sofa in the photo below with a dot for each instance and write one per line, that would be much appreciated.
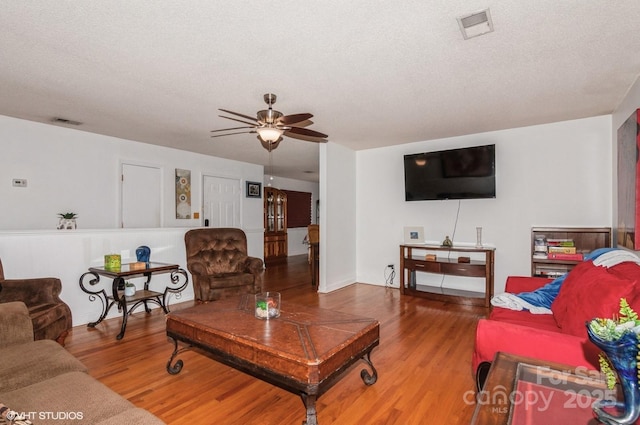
(588, 291)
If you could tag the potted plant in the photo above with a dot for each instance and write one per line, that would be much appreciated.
(67, 220)
(129, 289)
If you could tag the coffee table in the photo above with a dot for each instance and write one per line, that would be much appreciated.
(304, 351)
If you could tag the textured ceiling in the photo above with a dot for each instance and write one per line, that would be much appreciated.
(373, 73)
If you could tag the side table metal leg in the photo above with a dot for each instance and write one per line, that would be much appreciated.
(125, 315)
(105, 309)
(124, 325)
(310, 403)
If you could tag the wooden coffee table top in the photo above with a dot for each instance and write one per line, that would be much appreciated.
(306, 345)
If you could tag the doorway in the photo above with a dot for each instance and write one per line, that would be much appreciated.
(141, 191)
(221, 201)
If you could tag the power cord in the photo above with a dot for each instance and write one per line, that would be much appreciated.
(388, 279)
(453, 238)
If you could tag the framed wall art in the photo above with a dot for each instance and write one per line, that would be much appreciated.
(629, 183)
(183, 194)
(414, 235)
(254, 190)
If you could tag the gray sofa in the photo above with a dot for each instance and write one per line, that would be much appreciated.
(50, 385)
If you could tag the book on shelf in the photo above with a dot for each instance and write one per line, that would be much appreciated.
(552, 274)
(540, 255)
(562, 249)
(563, 256)
(560, 242)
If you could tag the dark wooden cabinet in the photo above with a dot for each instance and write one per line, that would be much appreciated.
(446, 262)
(585, 240)
(275, 225)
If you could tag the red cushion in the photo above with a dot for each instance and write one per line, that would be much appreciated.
(587, 292)
(493, 336)
(525, 318)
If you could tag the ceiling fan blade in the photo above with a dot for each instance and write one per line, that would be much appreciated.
(294, 119)
(305, 123)
(305, 138)
(231, 134)
(307, 132)
(235, 119)
(229, 129)
(239, 115)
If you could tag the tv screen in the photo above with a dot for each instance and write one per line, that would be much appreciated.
(466, 173)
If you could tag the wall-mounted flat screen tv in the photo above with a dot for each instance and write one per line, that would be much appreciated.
(465, 173)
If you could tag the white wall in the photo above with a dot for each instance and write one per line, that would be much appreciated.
(556, 175)
(337, 217)
(71, 170)
(295, 236)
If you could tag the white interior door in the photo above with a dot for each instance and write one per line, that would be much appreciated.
(141, 196)
(221, 201)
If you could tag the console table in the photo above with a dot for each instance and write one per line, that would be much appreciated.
(413, 259)
(90, 283)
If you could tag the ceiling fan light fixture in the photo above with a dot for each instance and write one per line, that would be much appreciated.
(269, 134)
(269, 146)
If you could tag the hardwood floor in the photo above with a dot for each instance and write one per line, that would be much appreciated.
(423, 363)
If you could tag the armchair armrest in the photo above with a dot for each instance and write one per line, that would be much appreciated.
(197, 268)
(254, 265)
(493, 336)
(15, 324)
(31, 291)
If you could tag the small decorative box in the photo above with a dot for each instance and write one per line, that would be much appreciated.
(137, 266)
(112, 262)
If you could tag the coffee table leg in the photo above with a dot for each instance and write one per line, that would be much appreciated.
(177, 367)
(369, 378)
(310, 403)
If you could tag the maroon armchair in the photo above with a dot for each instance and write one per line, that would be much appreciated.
(219, 265)
(50, 315)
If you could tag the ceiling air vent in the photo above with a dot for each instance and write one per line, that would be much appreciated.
(475, 24)
(58, 120)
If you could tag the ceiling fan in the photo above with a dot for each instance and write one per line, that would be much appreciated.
(271, 125)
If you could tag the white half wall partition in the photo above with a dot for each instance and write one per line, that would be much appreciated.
(68, 254)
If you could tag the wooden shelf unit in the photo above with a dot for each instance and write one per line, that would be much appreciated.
(586, 239)
(412, 262)
(275, 225)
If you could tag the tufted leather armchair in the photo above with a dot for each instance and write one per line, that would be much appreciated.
(220, 267)
(51, 317)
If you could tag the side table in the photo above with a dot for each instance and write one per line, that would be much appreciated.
(90, 283)
(521, 390)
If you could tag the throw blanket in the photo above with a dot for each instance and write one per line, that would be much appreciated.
(514, 302)
(540, 300)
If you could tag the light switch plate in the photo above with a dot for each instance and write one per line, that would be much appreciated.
(19, 182)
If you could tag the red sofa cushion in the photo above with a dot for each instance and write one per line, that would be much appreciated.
(525, 340)
(587, 292)
(524, 318)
